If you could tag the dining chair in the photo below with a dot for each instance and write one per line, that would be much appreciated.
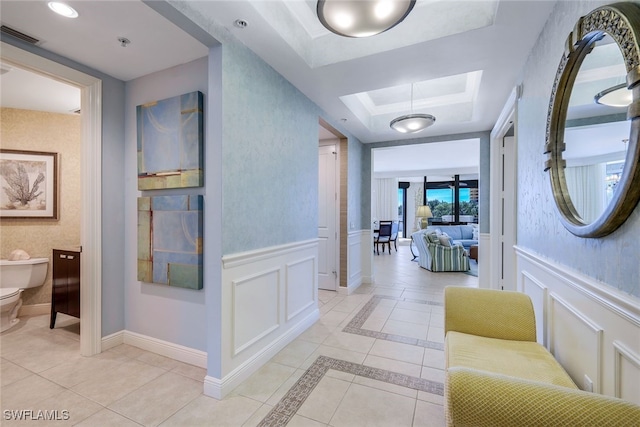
(384, 236)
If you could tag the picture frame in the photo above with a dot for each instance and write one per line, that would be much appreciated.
(28, 184)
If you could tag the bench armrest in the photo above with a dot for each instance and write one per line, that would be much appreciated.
(489, 313)
(478, 398)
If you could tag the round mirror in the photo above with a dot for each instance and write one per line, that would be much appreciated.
(593, 122)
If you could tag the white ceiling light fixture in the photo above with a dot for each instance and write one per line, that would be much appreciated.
(63, 9)
(615, 96)
(362, 18)
(412, 123)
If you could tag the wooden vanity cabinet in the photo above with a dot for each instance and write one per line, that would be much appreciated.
(65, 290)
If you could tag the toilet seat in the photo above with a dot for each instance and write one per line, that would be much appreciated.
(6, 293)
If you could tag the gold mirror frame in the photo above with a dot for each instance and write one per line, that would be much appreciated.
(621, 21)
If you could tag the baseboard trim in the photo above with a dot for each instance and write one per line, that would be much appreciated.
(351, 288)
(112, 340)
(219, 388)
(35, 309)
(154, 345)
(167, 349)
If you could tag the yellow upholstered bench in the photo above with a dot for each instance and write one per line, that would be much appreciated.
(498, 375)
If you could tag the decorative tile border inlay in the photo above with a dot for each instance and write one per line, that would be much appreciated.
(287, 407)
(355, 325)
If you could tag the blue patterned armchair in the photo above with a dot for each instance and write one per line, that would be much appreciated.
(438, 256)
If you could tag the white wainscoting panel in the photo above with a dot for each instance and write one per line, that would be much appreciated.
(256, 307)
(627, 373)
(359, 260)
(576, 342)
(539, 295)
(591, 328)
(300, 296)
(269, 297)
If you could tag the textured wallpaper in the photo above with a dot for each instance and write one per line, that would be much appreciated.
(614, 259)
(270, 156)
(51, 132)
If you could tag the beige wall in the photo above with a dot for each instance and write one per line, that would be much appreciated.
(50, 132)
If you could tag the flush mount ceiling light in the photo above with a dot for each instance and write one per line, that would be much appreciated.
(615, 96)
(362, 18)
(63, 9)
(412, 123)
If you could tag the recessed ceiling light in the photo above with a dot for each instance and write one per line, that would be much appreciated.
(63, 9)
(241, 23)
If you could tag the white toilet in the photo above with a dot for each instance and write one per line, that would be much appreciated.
(15, 276)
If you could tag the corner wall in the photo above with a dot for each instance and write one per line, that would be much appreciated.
(170, 314)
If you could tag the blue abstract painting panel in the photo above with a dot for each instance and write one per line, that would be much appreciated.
(170, 142)
(170, 240)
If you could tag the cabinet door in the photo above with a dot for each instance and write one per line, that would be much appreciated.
(73, 284)
(60, 281)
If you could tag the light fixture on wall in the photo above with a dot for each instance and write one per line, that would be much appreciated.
(412, 123)
(615, 96)
(362, 18)
(424, 213)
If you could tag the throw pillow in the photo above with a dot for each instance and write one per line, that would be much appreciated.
(445, 240)
(431, 238)
(476, 231)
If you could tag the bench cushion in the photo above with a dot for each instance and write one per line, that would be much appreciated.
(522, 359)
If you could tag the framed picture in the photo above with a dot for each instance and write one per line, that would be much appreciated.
(29, 184)
(170, 240)
(170, 141)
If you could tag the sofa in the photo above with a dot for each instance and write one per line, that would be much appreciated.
(498, 375)
(466, 235)
(436, 253)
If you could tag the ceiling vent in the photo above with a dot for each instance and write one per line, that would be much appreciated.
(17, 34)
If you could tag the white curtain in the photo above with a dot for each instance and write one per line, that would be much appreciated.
(385, 199)
(587, 187)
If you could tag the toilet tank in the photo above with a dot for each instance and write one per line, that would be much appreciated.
(28, 273)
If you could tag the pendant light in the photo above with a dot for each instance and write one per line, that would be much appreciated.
(615, 96)
(412, 123)
(362, 18)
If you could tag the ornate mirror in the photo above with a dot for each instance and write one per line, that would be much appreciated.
(593, 122)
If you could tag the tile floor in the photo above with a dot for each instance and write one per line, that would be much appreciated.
(373, 358)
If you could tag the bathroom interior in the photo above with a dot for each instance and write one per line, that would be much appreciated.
(29, 123)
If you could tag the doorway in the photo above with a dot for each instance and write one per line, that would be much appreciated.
(503, 226)
(91, 185)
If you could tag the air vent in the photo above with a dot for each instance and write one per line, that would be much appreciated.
(17, 34)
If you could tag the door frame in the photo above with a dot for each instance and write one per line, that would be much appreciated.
(508, 118)
(91, 187)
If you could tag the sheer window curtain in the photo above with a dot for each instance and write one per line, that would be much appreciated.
(587, 187)
(385, 199)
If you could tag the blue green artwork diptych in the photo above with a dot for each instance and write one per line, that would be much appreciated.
(170, 142)
(170, 240)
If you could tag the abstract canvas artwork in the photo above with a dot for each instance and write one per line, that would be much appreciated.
(170, 240)
(170, 141)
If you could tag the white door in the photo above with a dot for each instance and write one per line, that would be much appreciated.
(327, 219)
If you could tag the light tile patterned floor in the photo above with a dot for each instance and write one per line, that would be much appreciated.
(373, 358)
